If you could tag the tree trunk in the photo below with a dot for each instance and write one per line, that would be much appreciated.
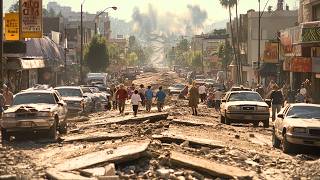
(232, 40)
(238, 46)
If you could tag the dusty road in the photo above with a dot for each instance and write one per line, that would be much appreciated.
(169, 145)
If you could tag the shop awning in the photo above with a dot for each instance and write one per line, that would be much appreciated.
(268, 69)
(24, 63)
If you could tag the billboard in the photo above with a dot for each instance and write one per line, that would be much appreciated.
(12, 26)
(270, 52)
(30, 18)
(301, 64)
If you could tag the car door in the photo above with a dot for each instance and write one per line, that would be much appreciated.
(279, 123)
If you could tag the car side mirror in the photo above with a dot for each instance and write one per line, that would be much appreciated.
(60, 104)
(84, 96)
(223, 100)
(281, 116)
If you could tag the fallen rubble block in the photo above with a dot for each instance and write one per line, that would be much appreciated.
(122, 153)
(58, 175)
(193, 141)
(127, 119)
(208, 167)
(191, 123)
(99, 171)
(93, 137)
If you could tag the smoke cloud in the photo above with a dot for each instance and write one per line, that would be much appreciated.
(151, 22)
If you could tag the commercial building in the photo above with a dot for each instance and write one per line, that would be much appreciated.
(301, 48)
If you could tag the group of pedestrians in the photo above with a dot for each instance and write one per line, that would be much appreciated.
(138, 96)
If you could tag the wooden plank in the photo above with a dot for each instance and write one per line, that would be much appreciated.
(58, 175)
(191, 123)
(127, 119)
(209, 167)
(122, 153)
(94, 137)
(167, 137)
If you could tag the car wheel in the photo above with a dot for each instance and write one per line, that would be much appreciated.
(5, 136)
(266, 123)
(287, 147)
(275, 141)
(222, 119)
(63, 128)
(53, 131)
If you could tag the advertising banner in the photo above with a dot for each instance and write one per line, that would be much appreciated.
(31, 18)
(12, 26)
(271, 52)
(301, 64)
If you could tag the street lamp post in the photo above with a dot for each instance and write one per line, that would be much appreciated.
(97, 16)
(81, 46)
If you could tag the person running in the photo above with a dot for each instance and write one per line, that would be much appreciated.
(142, 93)
(8, 95)
(135, 99)
(194, 99)
(277, 101)
(160, 98)
(202, 92)
(121, 96)
(217, 99)
(149, 96)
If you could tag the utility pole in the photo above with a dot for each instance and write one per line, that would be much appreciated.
(81, 46)
(65, 53)
(259, 41)
(1, 41)
(202, 54)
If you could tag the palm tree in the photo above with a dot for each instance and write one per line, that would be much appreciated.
(228, 4)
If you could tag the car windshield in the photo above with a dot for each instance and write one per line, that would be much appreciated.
(69, 92)
(34, 98)
(86, 90)
(179, 86)
(307, 112)
(244, 96)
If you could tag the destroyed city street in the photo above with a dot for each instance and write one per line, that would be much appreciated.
(168, 90)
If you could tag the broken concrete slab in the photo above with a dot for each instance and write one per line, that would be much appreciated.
(110, 170)
(191, 123)
(125, 152)
(208, 167)
(108, 178)
(58, 175)
(99, 171)
(193, 141)
(95, 136)
(127, 119)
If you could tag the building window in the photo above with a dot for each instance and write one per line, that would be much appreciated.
(316, 12)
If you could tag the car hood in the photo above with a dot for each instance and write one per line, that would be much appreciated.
(29, 108)
(250, 103)
(300, 122)
(72, 98)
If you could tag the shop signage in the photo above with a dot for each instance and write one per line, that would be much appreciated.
(286, 63)
(31, 18)
(12, 26)
(271, 52)
(301, 64)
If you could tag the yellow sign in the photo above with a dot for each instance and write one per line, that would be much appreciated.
(31, 18)
(12, 26)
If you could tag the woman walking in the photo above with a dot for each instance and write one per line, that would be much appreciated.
(135, 99)
(194, 99)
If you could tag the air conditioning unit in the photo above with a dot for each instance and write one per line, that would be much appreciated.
(254, 64)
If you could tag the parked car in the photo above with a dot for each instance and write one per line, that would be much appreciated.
(244, 107)
(240, 88)
(297, 124)
(35, 110)
(209, 82)
(101, 99)
(77, 102)
(87, 92)
(176, 89)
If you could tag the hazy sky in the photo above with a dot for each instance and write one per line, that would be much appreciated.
(213, 8)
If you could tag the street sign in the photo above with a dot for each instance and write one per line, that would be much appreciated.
(31, 18)
(11, 26)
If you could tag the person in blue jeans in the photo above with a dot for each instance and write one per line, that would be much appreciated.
(148, 98)
(160, 97)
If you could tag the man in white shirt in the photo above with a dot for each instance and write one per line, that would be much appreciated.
(202, 92)
(217, 99)
(135, 99)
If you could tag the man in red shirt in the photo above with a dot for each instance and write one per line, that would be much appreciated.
(121, 96)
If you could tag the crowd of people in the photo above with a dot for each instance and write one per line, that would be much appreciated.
(138, 96)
